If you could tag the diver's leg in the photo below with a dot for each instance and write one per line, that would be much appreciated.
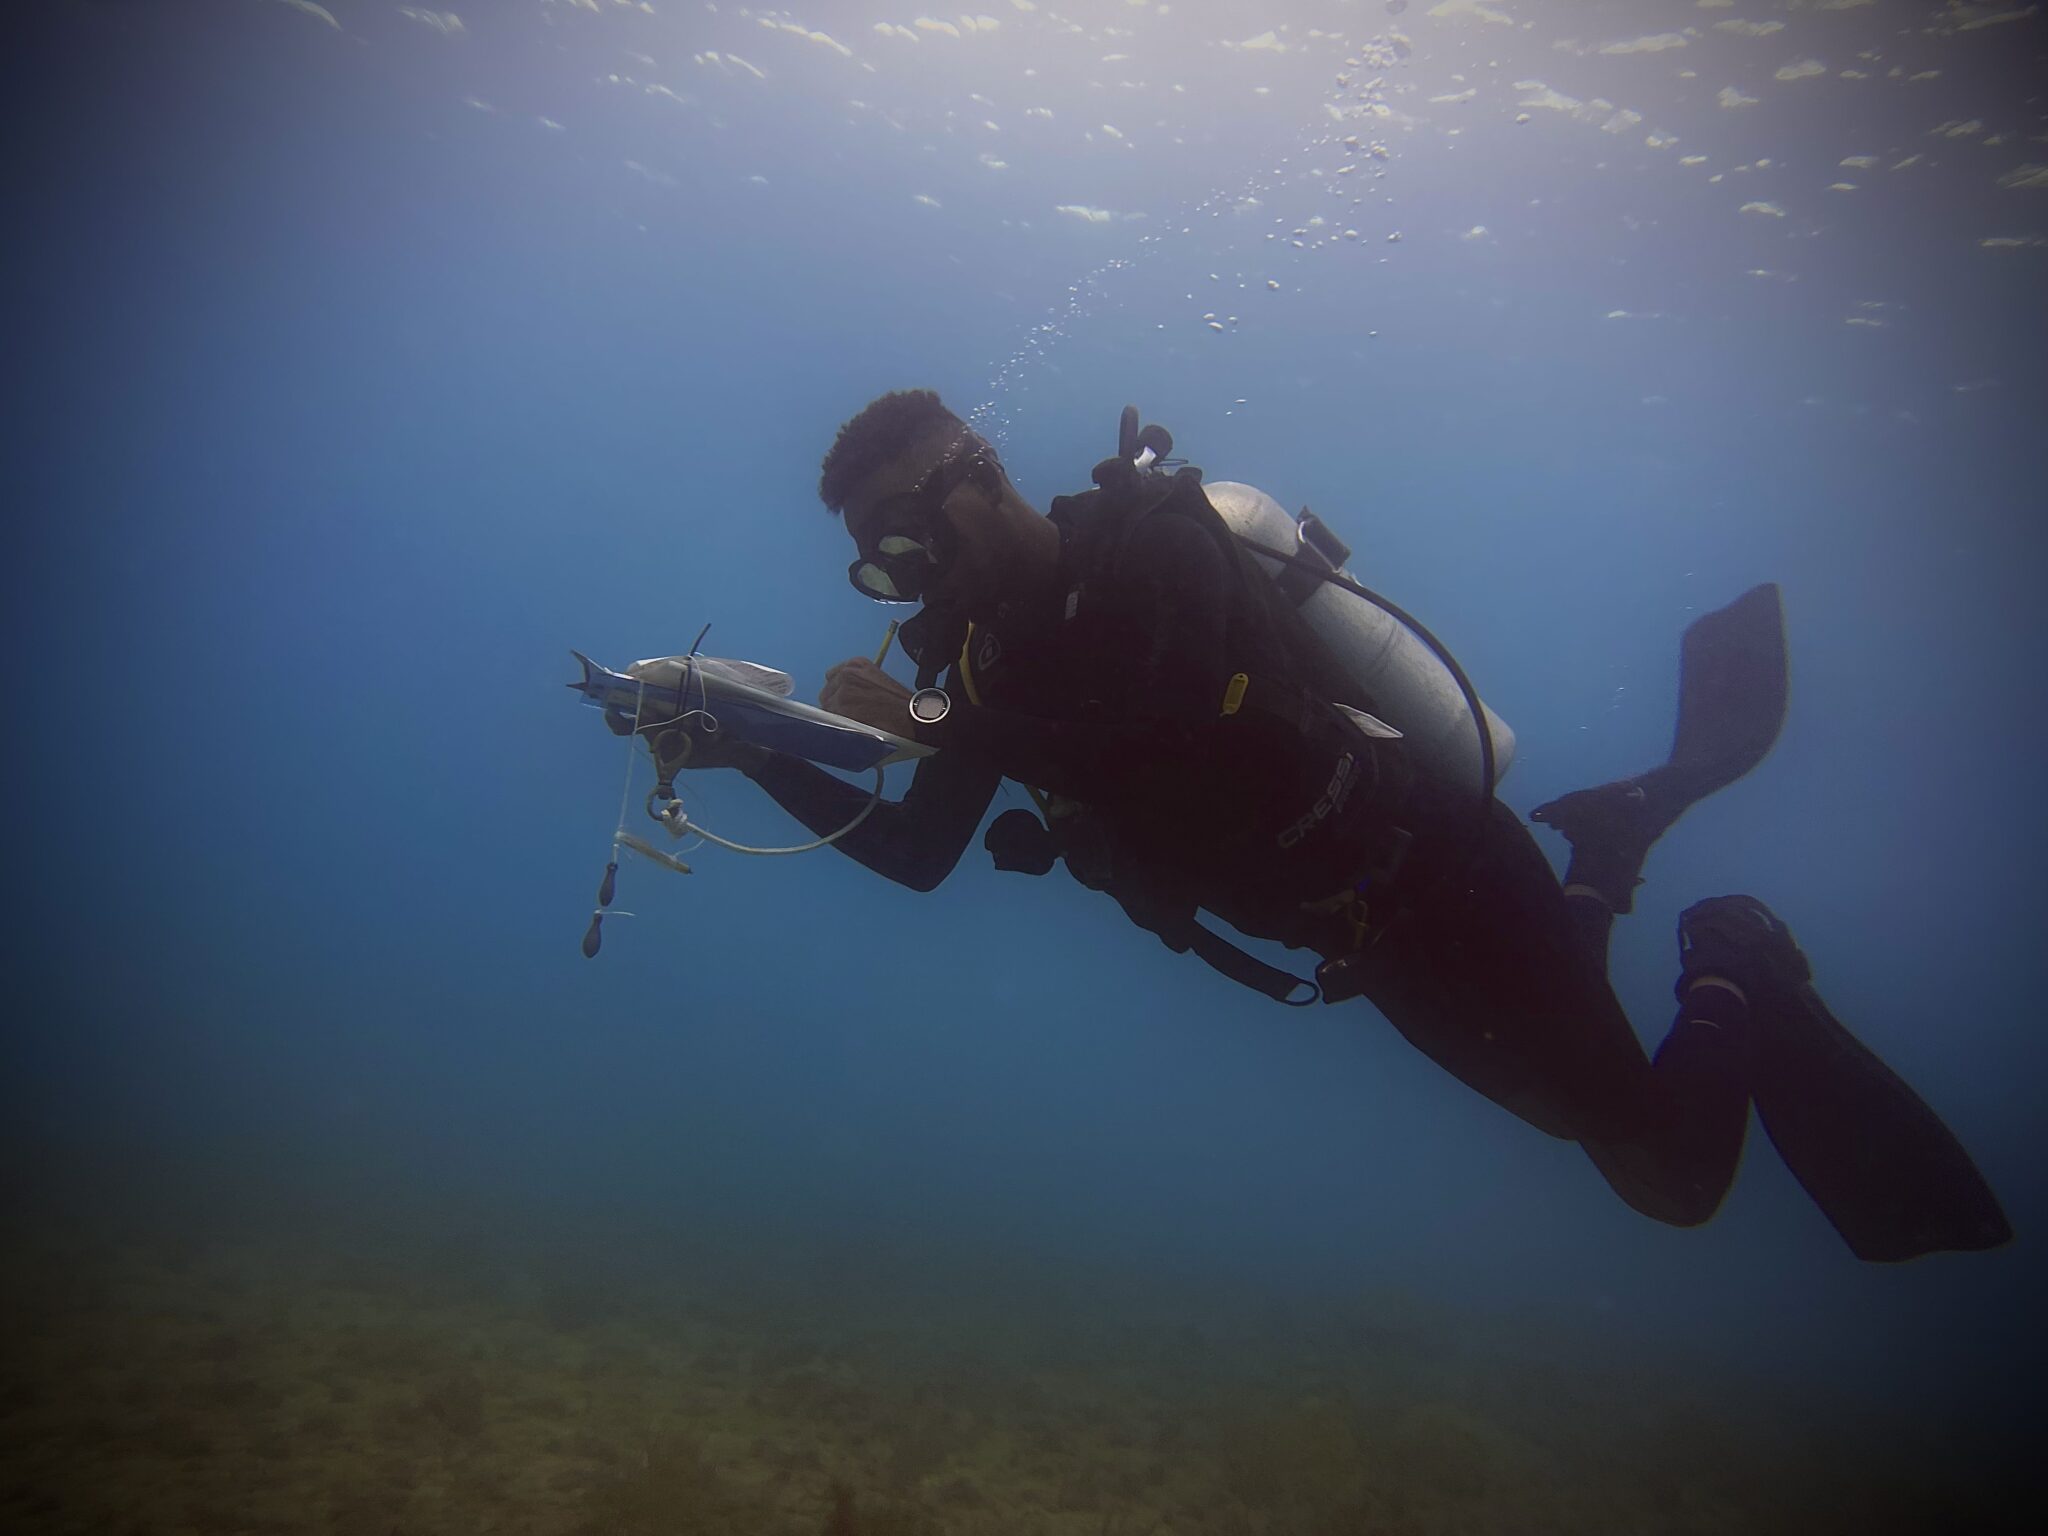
(1482, 972)
(1492, 977)
(1500, 979)
(1592, 920)
(1674, 1153)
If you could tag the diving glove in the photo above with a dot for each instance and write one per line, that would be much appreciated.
(680, 748)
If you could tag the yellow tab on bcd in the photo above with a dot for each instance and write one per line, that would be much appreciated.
(1233, 693)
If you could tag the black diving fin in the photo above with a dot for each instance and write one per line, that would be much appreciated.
(1732, 674)
(1884, 1170)
(1880, 1164)
(1731, 691)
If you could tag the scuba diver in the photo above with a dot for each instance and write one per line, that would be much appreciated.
(1194, 744)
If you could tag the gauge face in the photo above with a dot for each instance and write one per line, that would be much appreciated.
(928, 706)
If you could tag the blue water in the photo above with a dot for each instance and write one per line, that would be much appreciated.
(361, 366)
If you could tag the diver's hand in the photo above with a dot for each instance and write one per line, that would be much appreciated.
(679, 748)
(860, 690)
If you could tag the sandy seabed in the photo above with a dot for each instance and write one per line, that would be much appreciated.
(415, 1377)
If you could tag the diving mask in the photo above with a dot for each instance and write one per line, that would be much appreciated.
(908, 547)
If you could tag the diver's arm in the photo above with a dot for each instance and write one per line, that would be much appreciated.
(1159, 692)
(914, 841)
(1161, 687)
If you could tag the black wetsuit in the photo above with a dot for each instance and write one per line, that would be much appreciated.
(1485, 966)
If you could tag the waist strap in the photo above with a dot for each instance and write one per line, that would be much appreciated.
(1226, 959)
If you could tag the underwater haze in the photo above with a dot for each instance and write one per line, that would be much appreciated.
(365, 358)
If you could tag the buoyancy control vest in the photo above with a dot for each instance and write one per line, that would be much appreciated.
(1281, 815)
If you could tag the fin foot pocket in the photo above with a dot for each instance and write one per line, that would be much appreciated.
(1741, 940)
(1610, 828)
(1731, 705)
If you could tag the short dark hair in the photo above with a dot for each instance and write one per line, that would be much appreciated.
(886, 426)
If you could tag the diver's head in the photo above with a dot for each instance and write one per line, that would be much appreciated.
(931, 512)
